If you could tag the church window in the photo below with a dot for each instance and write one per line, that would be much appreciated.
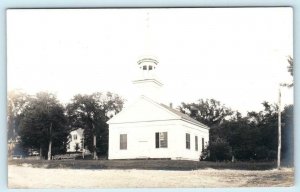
(196, 143)
(161, 139)
(188, 140)
(202, 144)
(75, 137)
(150, 67)
(123, 141)
(145, 67)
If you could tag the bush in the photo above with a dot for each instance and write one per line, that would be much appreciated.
(218, 150)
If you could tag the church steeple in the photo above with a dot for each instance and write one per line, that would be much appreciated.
(147, 83)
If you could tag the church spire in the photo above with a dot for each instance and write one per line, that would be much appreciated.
(147, 63)
(147, 82)
(148, 41)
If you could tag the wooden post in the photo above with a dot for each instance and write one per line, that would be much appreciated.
(279, 129)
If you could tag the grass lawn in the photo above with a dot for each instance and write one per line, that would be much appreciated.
(145, 164)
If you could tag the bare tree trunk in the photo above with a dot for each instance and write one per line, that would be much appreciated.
(83, 150)
(94, 144)
(50, 144)
(279, 130)
(49, 150)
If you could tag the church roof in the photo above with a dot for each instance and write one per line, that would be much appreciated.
(148, 80)
(183, 116)
(132, 113)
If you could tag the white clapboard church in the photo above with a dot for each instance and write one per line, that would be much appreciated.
(149, 129)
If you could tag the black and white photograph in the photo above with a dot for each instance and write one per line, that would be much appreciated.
(150, 97)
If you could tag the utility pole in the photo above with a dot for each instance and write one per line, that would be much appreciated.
(279, 128)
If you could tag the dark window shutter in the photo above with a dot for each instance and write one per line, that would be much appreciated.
(157, 140)
(125, 141)
(166, 138)
(188, 140)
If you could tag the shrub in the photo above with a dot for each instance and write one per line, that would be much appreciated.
(218, 150)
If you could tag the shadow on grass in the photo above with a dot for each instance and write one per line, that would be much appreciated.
(145, 164)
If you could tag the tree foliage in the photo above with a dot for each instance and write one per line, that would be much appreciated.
(42, 113)
(209, 111)
(253, 137)
(91, 112)
(291, 65)
(219, 150)
(290, 69)
(17, 100)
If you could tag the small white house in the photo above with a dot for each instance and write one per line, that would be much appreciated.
(150, 129)
(75, 139)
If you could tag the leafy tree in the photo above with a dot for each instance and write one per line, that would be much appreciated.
(91, 112)
(252, 137)
(266, 122)
(44, 125)
(291, 65)
(255, 136)
(290, 70)
(209, 112)
(236, 132)
(17, 100)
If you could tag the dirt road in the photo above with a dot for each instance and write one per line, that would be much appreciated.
(27, 177)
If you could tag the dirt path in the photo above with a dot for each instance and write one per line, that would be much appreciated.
(28, 177)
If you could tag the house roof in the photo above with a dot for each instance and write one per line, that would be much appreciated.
(78, 131)
(183, 116)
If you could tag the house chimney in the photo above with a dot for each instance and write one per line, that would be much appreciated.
(171, 105)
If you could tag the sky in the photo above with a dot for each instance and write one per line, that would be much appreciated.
(235, 55)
